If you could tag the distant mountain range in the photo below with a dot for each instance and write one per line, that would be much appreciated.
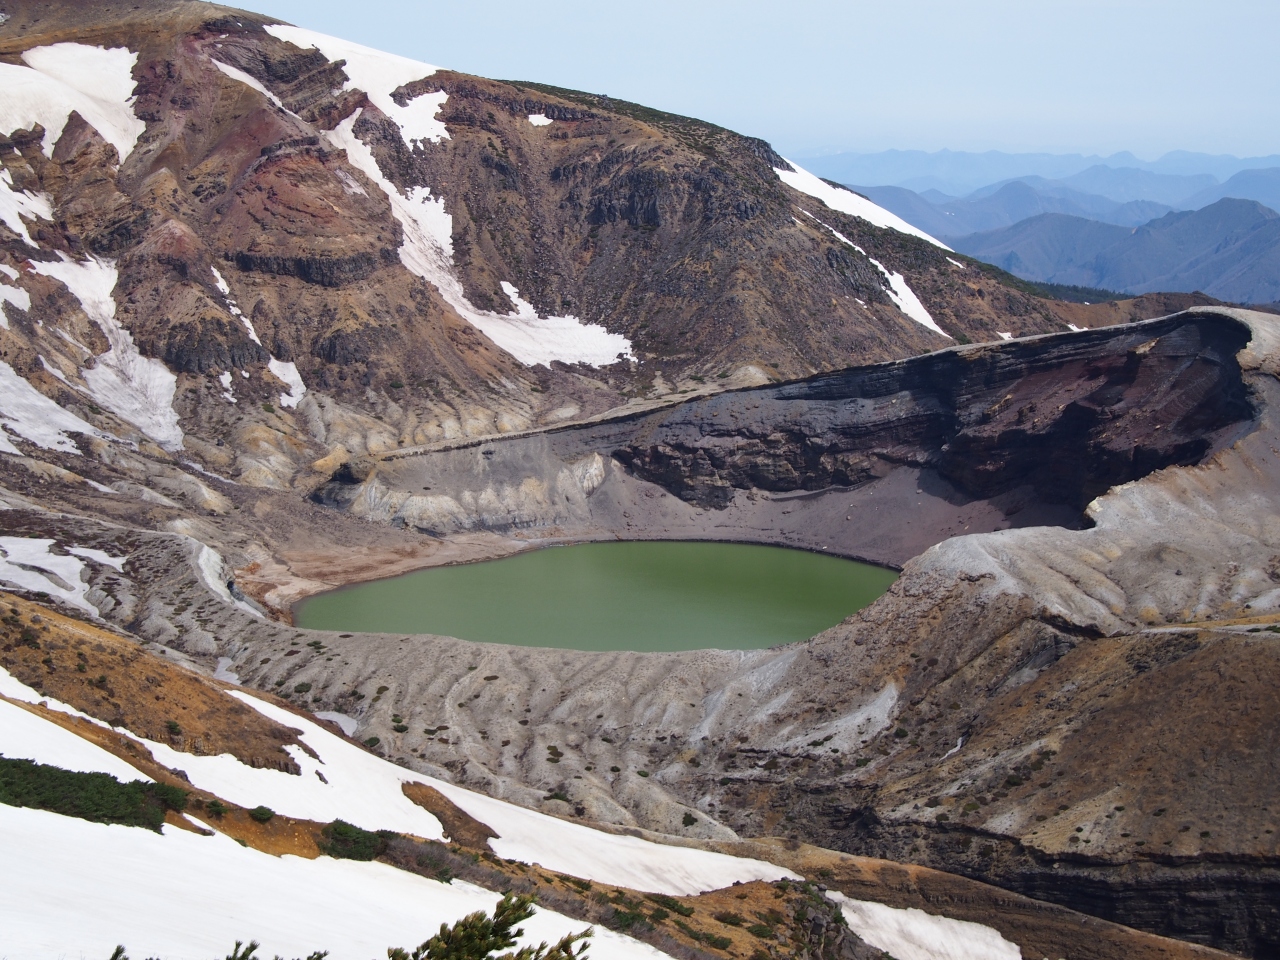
(957, 173)
(1229, 250)
(1129, 229)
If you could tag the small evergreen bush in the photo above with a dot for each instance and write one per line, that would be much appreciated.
(262, 814)
(346, 841)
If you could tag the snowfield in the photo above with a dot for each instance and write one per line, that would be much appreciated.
(76, 889)
(28, 563)
(912, 934)
(25, 736)
(29, 414)
(94, 82)
(846, 201)
(16, 204)
(135, 388)
(379, 75)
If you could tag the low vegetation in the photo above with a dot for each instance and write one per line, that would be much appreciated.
(98, 797)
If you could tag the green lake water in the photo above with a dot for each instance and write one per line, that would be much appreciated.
(644, 596)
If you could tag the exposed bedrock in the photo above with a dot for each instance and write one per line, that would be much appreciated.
(877, 462)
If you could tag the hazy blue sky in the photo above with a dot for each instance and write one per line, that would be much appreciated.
(815, 76)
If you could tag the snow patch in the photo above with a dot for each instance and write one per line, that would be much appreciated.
(579, 851)
(29, 414)
(902, 295)
(911, 934)
(956, 263)
(539, 119)
(75, 889)
(427, 252)
(225, 379)
(1004, 336)
(287, 373)
(846, 201)
(224, 672)
(99, 556)
(348, 724)
(379, 75)
(248, 81)
(906, 300)
(1070, 326)
(136, 388)
(209, 563)
(27, 562)
(25, 736)
(95, 82)
(366, 790)
(16, 204)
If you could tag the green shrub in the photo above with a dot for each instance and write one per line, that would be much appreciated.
(174, 728)
(761, 930)
(671, 903)
(346, 841)
(262, 814)
(302, 688)
(729, 919)
(688, 819)
(720, 943)
(372, 741)
(97, 797)
(216, 809)
(400, 727)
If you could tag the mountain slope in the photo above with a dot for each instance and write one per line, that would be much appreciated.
(264, 247)
(1229, 250)
(213, 874)
(1260, 185)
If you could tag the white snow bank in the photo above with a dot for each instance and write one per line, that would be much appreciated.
(25, 736)
(1074, 329)
(248, 81)
(287, 373)
(379, 75)
(906, 300)
(539, 119)
(912, 934)
(209, 563)
(903, 296)
(224, 378)
(955, 263)
(16, 204)
(366, 790)
(348, 724)
(1004, 336)
(360, 788)
(28, 413)
(99, 556)
(76, 889)
(136, 388)
(27, 562)
(96, 83)
(846, 201)
(570, 848)
(427, 252)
